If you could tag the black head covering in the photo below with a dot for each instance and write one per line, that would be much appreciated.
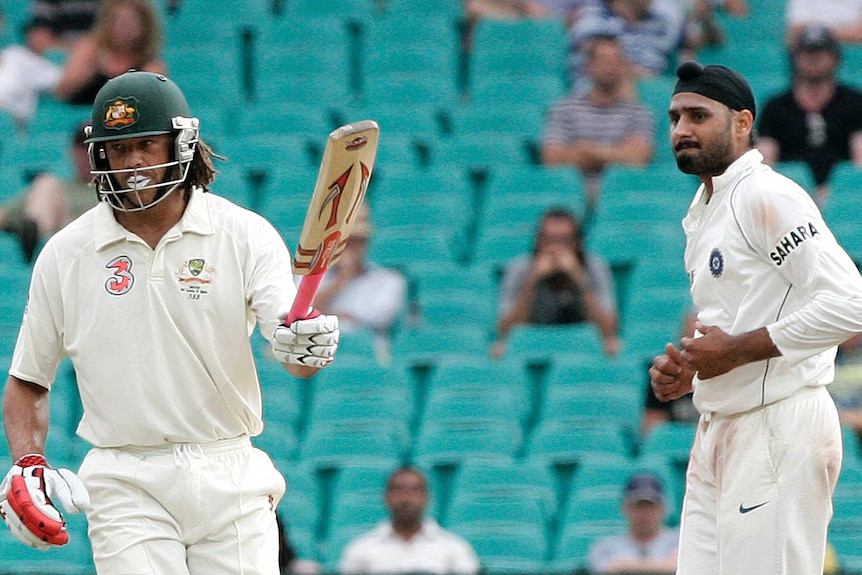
(717, 83)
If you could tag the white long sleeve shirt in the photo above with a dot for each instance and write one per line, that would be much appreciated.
(759, 254)
(159, 338)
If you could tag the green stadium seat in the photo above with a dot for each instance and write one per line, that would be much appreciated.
(848, 548)
(290, 73)
(454, 442)
(192, 20)
(336, 446)
(559, 442)
(279, 439)
(497, 244)
(544, 89)
(432, 279)
(420, 122)
(643, 194)
(411, 88)
(74, 558)
(399, 151)
(541, 343)
(296, 119)
(518, 48)
(209, 77)
(410, 9)
(363, 407)
(580, 405)
(670, 439)
(302, 9)
(300, 509)
(478, 152)
(516, 549)
(493, 483)
(452, 309)
(844, 201)
(525, 118)
(399, 246)
(475, 401)
(448, 215)
(419, 57)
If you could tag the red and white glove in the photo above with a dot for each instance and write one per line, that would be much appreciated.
(311, 342)
(27, 501)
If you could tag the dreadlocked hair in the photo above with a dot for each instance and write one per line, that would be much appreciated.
(202, 171)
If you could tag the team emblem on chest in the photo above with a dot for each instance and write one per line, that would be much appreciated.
(195, 277)
(716, 263)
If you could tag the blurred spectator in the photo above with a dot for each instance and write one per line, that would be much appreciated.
(127, 35)
(504, 9)
(817, 119)
(408, 542)
(476, 10)
(681, 409)
(289, 562)
(651, 32)
(25, 74)
(648, 546)
(361, 293)
(57, 24)
(842, 17)
(846, 389)
(606, 125)
(568, 10)
(701, 27)
(558, 283)
(48, 203)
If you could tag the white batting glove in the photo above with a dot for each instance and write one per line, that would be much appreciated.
(28, 496)
(311, 342)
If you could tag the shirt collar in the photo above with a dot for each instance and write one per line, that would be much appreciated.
(195, 219)
(740, 166)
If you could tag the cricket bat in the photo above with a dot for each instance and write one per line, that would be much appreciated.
(342, 181)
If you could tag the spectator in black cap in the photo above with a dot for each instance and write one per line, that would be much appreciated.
(817, 119)
(648, 546)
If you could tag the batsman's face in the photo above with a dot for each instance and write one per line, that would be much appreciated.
(702, 134)
(144, 160)
(406, 498)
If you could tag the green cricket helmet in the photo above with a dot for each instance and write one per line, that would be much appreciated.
(134, 105)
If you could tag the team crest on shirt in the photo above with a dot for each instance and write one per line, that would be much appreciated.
(716, 263)
(195, 277)
(121, 279)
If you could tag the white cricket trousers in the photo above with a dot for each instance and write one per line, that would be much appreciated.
(758, 494)
(183, 509)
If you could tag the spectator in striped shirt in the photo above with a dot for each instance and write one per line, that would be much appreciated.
(605, 125)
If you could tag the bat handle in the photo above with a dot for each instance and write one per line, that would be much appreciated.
(304, 297)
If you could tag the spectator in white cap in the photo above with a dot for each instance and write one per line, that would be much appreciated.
(649, 546)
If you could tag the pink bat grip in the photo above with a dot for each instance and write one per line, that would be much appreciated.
(304, 297)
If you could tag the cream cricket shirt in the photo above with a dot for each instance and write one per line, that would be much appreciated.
(159, 339)
(759, 254)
